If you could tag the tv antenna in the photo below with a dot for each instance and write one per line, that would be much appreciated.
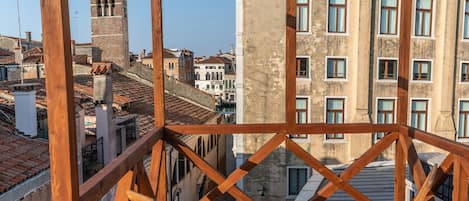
(20, 41)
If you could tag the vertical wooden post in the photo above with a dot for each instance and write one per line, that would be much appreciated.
(60, 100)
(402, 94)
(459, 180)
(158, 165)
(290, 60)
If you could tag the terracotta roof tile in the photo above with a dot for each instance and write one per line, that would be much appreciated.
(214, 60)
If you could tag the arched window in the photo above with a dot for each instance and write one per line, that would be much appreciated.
(217, 76)
(199, 147)
(207, 76)
(112, 8)
(204, 153)
(213, 76)
(106, 8)
(221, 76)
(99, 8)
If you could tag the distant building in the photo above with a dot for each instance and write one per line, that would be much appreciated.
(210, 76)
(178, 64)
(109, 31)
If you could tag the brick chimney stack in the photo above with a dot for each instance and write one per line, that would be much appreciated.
(28, 40)
(25, 108)
(103, 100)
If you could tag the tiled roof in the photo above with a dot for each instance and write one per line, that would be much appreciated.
(214, 60)
(140, 97)
(166, 54)
(21, 159)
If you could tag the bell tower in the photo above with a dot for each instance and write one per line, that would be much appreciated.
(109, 31)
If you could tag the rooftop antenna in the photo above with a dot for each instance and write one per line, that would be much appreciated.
(20, 40)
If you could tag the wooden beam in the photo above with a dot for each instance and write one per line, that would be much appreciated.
(290, 70)
(134, 196)
(453, 147)
(435, 178)
(405, 32)
(158, 69)
(244, 169)
(125, 183)
(323, 170)
(142, 182)
(157, 166)
(60, 100)
(311, 129)
(329, 189)
(106, 178)
(459, 180)
(415, 165)
(399, 171)
(205, 167)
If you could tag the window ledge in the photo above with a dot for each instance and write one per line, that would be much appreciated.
(335, 80)
(422, 81)
(423, 37)
(386, 81)
(337, 34)
(330, 141)
(462, 139)
(394, 36)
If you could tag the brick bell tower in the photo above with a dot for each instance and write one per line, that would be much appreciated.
(109, 31)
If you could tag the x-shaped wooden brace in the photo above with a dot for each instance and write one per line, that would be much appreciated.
(206, 168)
(330, 188)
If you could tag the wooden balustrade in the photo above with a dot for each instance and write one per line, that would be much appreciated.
(134, 183)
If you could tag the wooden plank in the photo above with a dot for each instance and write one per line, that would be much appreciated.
(459, 180)
(435, 178)
(158, 69)
(290, 61)
(158, 159)
(405, 32)
(317, 128)
(415, 165)
(329, 189)
(244, 169)
(60, 100)
(106, 178)
(205, 167)
(459, 149)
(125, 183)
(133, 196)
(323, 170)
(142, 181)
(399, 171)
(426, 187)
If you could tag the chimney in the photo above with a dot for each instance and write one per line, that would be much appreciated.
(103, 101)
(25, 108)
(143, 53)
(28, 39)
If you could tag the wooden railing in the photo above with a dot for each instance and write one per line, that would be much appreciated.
(134, 183)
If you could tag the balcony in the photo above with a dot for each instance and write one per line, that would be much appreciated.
(135, 183)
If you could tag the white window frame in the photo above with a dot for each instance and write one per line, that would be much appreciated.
(429, 110)
(375, 139)
(432, 70)
(308, 169)
(308, 117)
(310, 15)
(457, 121)
(346, 69)
(414, 15)
(463, 21)
(347, 19)
(335, 141)
(460, 72)
(309, 67)
(398, 21)
(377, 69)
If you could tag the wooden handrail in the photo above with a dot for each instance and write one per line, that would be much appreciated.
(437, 141)
(317, 128)
(106, 178)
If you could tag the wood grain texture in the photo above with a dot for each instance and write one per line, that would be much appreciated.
(106, 178)
(158, 69)
(459, 180)
(134, 196)
(204, 166)
(248, 165)
(329, 189)
(415, 165)
(324, 171)
(290, 68)
(311, 129)
(60, 100)
(125, 183)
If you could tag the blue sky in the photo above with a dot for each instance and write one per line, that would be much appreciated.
(204, 26)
